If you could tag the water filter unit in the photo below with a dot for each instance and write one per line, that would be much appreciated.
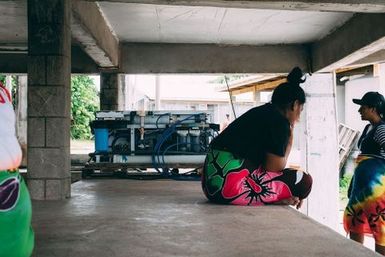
(152, 139)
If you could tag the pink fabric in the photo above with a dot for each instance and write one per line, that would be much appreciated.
(254, 188)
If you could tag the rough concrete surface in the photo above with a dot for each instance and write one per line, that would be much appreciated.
(110, 217)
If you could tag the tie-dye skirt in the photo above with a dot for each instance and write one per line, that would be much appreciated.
(231, 180)
(16, 234)
(365, 211)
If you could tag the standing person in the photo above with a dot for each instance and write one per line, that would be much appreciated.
(16, 235)
(246, 162)
(365, 211)
(225, 122)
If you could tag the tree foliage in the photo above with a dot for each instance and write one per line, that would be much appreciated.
(230, 78)
(84, 104)
(14, 87)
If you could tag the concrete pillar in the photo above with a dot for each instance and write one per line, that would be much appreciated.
(130, 89)
(49, 99)
(381, 76)
(21, 116)
(111, 88)
(122, 92)
(157, 92)
(319, 149)
(257, 97)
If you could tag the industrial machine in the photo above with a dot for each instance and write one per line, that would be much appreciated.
(161, 140)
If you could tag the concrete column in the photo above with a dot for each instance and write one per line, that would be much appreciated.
(157, 92)
(111, 96)
(381, 76)
(49, 99)
(21, 116)
(319, 149)
(257, 97)
(122, 92)
(130, 89)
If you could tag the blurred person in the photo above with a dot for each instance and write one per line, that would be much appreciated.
(16, 234)
(225, 123)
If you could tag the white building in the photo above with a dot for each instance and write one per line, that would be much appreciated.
(182, 92)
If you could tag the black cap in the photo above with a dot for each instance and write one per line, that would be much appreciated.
(371, 99)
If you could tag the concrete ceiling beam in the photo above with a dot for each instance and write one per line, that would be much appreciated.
(210, 58)
(360, 37)
(16, 62)
(365, 6)
(91, 30)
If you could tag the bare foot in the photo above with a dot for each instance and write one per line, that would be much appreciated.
(293, 200)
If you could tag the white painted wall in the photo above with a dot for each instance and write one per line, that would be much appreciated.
(356, 88)
(319, 148)
(182, 92)
(340, 104)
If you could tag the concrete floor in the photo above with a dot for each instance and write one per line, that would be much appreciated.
(111, 217)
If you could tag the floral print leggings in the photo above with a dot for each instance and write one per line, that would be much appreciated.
(231, 180)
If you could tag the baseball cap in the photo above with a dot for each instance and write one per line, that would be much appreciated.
(371, 99)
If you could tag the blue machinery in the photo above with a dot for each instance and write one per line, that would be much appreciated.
(163, 140)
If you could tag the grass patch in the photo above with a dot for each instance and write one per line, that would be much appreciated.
(344, 186)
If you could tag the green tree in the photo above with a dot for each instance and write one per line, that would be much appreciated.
(84, 104)
(14, 87)
(230, 78)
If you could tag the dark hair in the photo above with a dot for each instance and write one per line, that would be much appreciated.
(288, 92)
(380, 106)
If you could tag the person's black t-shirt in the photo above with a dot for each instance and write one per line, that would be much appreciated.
(259, 131)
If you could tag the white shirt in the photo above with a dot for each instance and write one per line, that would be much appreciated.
(10, 151)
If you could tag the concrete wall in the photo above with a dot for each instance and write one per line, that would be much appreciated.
(210, 58)
(17, 62)
(356, 88)
(340, 104)
(319, 148)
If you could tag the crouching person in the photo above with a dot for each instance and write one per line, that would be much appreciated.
(246, 162)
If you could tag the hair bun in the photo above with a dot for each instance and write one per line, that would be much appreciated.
(295, 76)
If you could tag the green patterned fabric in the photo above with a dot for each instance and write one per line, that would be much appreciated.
(219, 163)
(16, 234)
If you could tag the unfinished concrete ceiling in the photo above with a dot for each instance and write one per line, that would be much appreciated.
(210, 36)
(217, 25)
